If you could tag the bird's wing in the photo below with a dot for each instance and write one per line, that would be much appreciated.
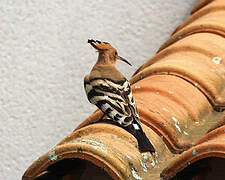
(114, 99)
(87, 85)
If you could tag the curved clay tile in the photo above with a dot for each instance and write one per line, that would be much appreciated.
(210, 18)
(194, 58)
(200, 4)
(180, 95)
(106, 146)
(211, 145)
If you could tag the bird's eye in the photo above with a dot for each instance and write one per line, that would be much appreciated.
(116, 53)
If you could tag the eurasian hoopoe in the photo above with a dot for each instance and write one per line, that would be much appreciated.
(110, 91)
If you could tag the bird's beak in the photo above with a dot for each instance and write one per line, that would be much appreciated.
(124, 60)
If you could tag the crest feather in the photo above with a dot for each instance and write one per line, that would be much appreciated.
(100, 45)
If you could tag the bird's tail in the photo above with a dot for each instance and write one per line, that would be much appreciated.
(144, 143)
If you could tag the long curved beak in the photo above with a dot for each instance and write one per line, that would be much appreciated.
(124, 60)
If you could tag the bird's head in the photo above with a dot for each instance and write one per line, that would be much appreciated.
(107, 53)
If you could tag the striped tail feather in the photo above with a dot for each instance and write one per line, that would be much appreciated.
(144, 143)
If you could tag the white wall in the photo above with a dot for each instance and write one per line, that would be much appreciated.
(44, 56)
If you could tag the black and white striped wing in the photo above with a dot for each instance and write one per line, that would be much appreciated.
(114, 99)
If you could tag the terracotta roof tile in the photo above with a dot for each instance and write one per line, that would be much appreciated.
(195, 58)
(180, 94)
(211, 145)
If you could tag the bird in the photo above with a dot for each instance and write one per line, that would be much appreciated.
(110, 91)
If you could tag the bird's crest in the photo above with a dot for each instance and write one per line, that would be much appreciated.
(100, 46)
(104, 46)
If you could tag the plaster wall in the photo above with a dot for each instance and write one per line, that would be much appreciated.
(44, 56)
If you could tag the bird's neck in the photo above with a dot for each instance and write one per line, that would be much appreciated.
(105, 59)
